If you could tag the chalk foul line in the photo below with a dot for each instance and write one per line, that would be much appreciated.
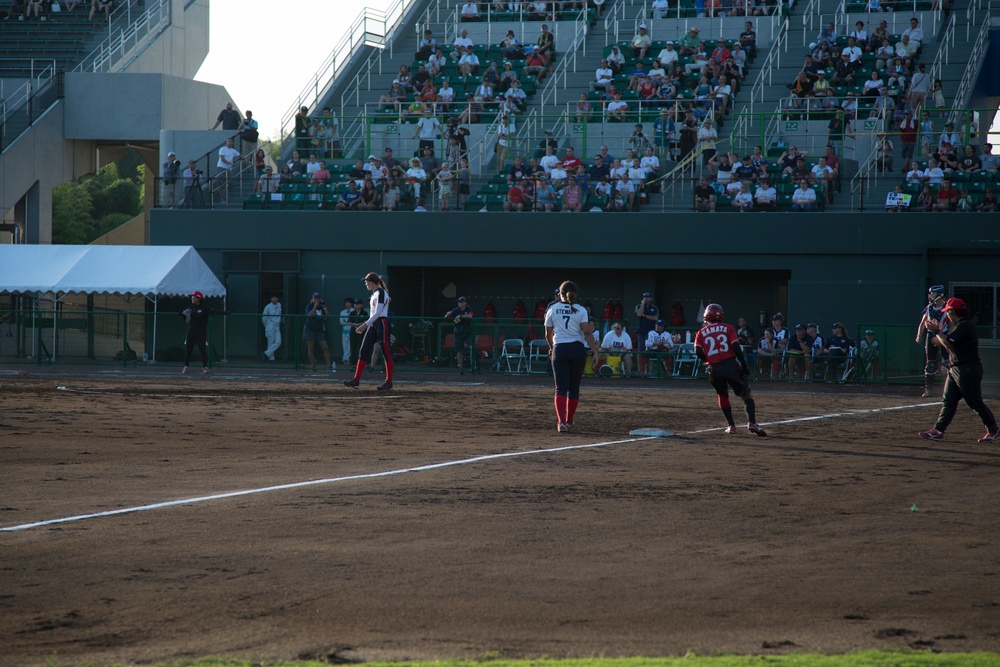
(423, 468)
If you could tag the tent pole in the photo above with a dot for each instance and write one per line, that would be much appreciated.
(156, 302)
(225, 332)
(55, 324)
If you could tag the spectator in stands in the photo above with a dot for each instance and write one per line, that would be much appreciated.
(312, 165)
(445, 180)
(799, 352)
(801, 171)
(428, 128)
(228, 157)
(965, 202)
(641, 42)
(707, 138)
(748, 39)
(616, 61)
(369, 195)
(925, 200)
(768, 354)
(517, 197)
(395, 96)
(18, 8)
(469, 11)
(988, 160)
(426, 47)
(915, 174)
(969, 162)
(704, 197)
(350, 200)
(804, 198)
(906, 50)
(668, 56)
(625, 188)
(639, 72)
(516, 96)
(837, 346)
(721, 94)
(571, 162)
(101, 6)
(302, 139)
(988, 204)
(430, 164)
(545, 196)
(884, 54)
(949, 136)
(766, 197)
(583, 109)
(537, 9)
(603, 76)
(947, 159)
(534, 66)
(690, 42)
(358, 172)
(933, 175)
(572, 196)
(468, 64)
(743, 201)
(827, 33)
(511, 47)
(415, 177)
(285, 176)
(268, 183)
(650, 164)
(660, 342)
(659, 9)
(877, 35)
(421, 77)
(461, 43)
(854, 50)
(230, 119)
(915, 32)
(947, 197)
(907, 136)
(558, 175)
(845, 71)
(436, 63)
(873, 86)
(617, 109)
(546, 44)
(699, 60)
(391, 196)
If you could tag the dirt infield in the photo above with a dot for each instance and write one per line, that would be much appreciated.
(832, 534)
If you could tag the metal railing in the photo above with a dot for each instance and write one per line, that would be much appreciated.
(976, 59)
(21, 107)
(372, 28)
(567, 59)
(131, 29)
(765, 73)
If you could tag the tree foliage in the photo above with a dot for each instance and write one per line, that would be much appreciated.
(88, 208)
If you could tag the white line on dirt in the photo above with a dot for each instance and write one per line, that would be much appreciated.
(423, 468)
(112, 392)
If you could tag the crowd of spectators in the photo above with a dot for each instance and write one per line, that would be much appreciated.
(41, 10)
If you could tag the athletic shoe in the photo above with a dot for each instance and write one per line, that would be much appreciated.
(731, 428)
(926, 394)
(756, 430)
(351, 383)
(562, 428)
(990, 437)
(932, 434)
(184, 370)
(385, 386)
(204, 369)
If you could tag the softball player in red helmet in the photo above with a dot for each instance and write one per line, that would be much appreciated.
(718, 345)
(376, 330)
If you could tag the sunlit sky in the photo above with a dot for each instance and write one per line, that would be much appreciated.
(266, 53)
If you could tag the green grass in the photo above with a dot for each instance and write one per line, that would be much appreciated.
(861, 659)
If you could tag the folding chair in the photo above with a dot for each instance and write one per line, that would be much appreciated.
(687, 363)
(513, 350)
(538, 350)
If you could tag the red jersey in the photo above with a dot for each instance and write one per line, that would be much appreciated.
(718, 341)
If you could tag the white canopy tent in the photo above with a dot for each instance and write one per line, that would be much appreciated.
(148, 271)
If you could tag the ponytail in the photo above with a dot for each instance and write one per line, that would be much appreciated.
(375, 278)
(568, 291)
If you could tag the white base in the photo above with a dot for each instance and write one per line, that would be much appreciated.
(652, 432)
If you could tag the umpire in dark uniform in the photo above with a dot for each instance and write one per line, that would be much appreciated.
(965, 372)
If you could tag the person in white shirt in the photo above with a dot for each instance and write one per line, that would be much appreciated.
(462, 42)
(804, 198)
(934, 173)
(616, 59)
(549, 160)
(446, 96)
(743, 201)
(516, 96)
(915, 175)
(660, 342)
(427, 129)
(660, 8)
(618, 343)
(228, 157)
(602, 76)
(617, 108)
(312, 166)
(468, 64)
(668, 55)
(650, 163)
(569, 331)
(906, 49)
(436, 63)
(271, 319)
(915, 32)
(558, 175)
(822, 173)
(470, 11)
(625, 188)
(853, 49)
(616, 170)
(416, 176)
(345, 330)
(766, 196)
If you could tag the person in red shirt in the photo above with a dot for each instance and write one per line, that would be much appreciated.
(908, 137)
(717, 344)
(571, 161)
(516, 197)
(947, 197)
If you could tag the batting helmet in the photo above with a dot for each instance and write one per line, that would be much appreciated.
(713, 313)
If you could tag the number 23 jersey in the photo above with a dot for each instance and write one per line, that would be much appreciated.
(717, 341)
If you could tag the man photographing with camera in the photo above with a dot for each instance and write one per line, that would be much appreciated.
(193, 197)
(171, 170)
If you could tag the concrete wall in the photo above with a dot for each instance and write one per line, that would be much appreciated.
(182, 49)
(862, 268)
(34, 164)
(135, 107)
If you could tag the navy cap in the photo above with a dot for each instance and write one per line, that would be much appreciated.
(647, 294)
(461, 299)
(661, 323)
(812, 325)
(315, 294)
(839, 325)
(799, 326)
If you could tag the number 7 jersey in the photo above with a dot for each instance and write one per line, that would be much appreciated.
(718, 341)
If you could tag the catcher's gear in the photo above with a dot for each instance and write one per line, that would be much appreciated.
(713, 313)
(935, 292)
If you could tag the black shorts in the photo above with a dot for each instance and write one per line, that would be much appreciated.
(728, 374)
